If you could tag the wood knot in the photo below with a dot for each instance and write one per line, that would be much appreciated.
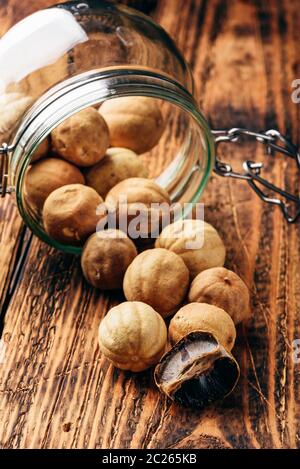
(67, 427)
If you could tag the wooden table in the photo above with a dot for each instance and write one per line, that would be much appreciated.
(57, 391)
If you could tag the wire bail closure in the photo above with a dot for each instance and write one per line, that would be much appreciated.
(274, 141)
(4, 168)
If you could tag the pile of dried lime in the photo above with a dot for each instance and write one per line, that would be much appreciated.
(88, 161)
(80, 176)
(175, 278)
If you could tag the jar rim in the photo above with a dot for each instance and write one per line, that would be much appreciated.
(84, 90)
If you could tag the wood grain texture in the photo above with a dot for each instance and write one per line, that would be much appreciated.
(56, 389)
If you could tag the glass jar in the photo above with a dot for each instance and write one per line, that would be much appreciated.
(75, 55)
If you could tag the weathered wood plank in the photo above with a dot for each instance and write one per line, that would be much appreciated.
(56, 389)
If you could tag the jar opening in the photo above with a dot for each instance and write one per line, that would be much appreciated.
(185, 152)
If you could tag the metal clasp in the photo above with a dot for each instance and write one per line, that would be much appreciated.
(274, 141)
(4, 168)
